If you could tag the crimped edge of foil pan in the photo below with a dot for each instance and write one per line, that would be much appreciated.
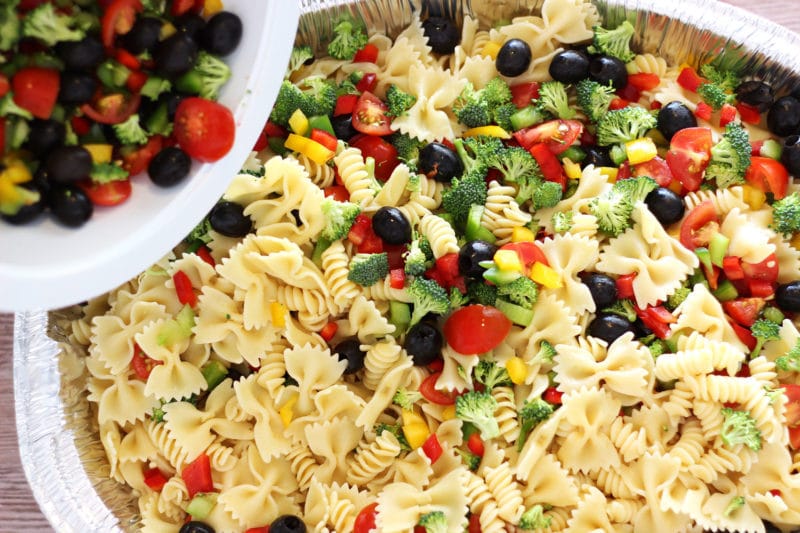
(60, 451)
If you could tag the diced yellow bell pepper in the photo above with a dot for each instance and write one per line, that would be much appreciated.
(490, 49)
(277, 312)
(16, 172)
(517, 370)
(508, 260)
(546, 276)
(416, 434)
(286, 411)
(412, 417)
(449, 412)
(311, 149)
(298, 122)
(487, 131)
(212, 7)
(753, 197)
(101, 153)
(522, 234)
(571, 169)
(795, 241)
(609, 172)
(167, 30)
(641, 150)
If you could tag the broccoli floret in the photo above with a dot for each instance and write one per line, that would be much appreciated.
(546, 352)
(130, 131)
(730, 157)
(516, 164)
(368, 269)
(398, 101)
(408, 148)
(534, 518)
(416, 262)
(676, 298)
(428, 297)
(457, 298)
(613, 210)
(50, 27)
(107, 172)
(740, 428)
(491, 375)
(475, 153)
(478, 408)
(714, 95)
(554, 99)
(790, 361)
(562, 222)
(482, 293)
(199, 236)
(531, 414)
(523, 291)
(339, 218)
(464, 193)
(395, 430)
(406, 398)
(496, 92)
(348, 38)
(636, 189)
(594, 98)
(155, 86)
(471, 460)
(502, 116)
(624, 308)
(320, 99)
(547, 194)
(434, 522)
(764, 331)
(300, 54)
(728, 79)
(9, 107)
(476, 108)
(208, 75)
(10, 26)
(735, 504)
(154, 7)
(657, 348)
(623, 125)
(615, 43)
(786, 215)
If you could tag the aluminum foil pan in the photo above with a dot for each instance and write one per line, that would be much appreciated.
(59, 447)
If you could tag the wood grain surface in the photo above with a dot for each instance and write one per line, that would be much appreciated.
(18, 510)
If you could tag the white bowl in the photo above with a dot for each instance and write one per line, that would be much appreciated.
(45, 265)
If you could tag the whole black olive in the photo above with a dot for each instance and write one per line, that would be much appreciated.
(784, 116)
(608, 327)
(175, 55)
(674, 117)
(287, 524)
(343, 127)
(83, 55)
(69, 205)
(76, 88)
(45, 136)
(169, 167)
(350, 350)
(190, 24)
(569, 66)
(755, 94)
(666, 206)
(607, 69)
(597, 156)
(196, 527)
(790, 157)
(424, 343)
(391, 225)
(29, 212)
(514, 58)
(787, 296)
(640, 329)
(443, 34)
(229, 219)
(221, 34)
(440, 163)
(602, 287)
(144, 35)
(471, 254)
(67, 164)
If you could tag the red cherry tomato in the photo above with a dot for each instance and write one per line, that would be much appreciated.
(744, 310)
(107, 194)
(367, 82)
(204, 129)
(768, 175)
(429, 391)
(112, 108)
(726, 115)
(657, 168)
(118, 19)
(553, 395)
(766, 270)
(365, 519)
(475, 444)
(698, 224)
(369, 115)
(141, 364)
(36, 89)
(136, 159)
(557, 135)
(476, 329)
(792, 393)
(523, 93)
(384, 154)
(337, 192)
(688, 156)
(550, 165)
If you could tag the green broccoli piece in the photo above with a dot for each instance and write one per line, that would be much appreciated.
(398, 101)
(482, 293)
(623, 125)
(300, 55)
(339, 218)
(318, 99)
(657, 347)
(457, 298)
(740, 428)
(730, 157)
(523, 291)
(10, 26)
(416, 261)
(532, 413)
(714, 95)
(534, 518)
(395, 430)
(636, 189)
(470, 459)
(735, 504)
(207, 76)
(463, 194)
(790, 361)
(516, 164)
(502, 116)
(406, 398)
(764, 331)
(348, 38)
(130, 131)
(49, 26)
(624, 308)
(546, 352)
(613, 210)
(154, 7)
(594, 98)
(554, 99)
(155, 86)
(496, 92)
(786, 215)
(199, 236)
(478, 408)
(491, 375)
(547, 194)
(475, 153)
(408, 148)
(9, 107)
(368, 269)
(727, 80)
(562, 222)
(615, 43)
(427, 297)
(676, 298)
(475, 108)
(107, 172)
(434, 522)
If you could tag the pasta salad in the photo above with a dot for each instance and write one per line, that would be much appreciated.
(508, 279)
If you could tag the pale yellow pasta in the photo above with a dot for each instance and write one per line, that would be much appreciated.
(355, 176)
(503, 213)
(440, 234)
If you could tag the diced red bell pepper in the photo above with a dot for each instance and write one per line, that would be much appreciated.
(184, 289)
(703, 111)
(553, 396)
(359, 230)
(689, 79)
(274, 130)
(732, 267)
(749, 114)
(345, 104)
(447, 266)
(726, 115)
(657, 318)
(328, 331)
(625, 285)
(432, 448)
(197, 476)
(760, 288)
(523, 93)
(475, 444)
(368, 54)
(204, 254)
(549, 164)
(755, 147)
(372, 244)
(429, 391)
(324, 138)
(744, 311)
(618, 103)
(367, 82)
(528, 252)
(155, 479)
(397, 278)
(644, 81)
(766, 270)
(127, 59)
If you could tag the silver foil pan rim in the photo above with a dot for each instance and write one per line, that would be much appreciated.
(60, 451)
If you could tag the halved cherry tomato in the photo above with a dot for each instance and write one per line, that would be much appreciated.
(432, 448)
(369, 116)
(337, 192)
(732, 266)
(625, 285)
(749, 114)
(766, 270)
(476, 329)
(429, 391)
(155, 479)
(688, 156)
(372, 244)
(118, 19)
(644, 81)
(474, 525)
(141, 364)
(367, 82)
(204, 129)
(557, 135)
(761, 289)
(345, 104)
(365, 519)
(548, 163)
(324, 138)
(744, 335)
(112, 108)
(368, 54)
(744, 310)
(328, 331)
(475, 444)
(624, 171)
(136, 159)
(792, 393)
(528, 252)
(523, 93)
(696, 228)
(107, 194)
(768, 175)
(553, 395)
(184, 289)
(36, 89)
(689, 79)
(726, 115)
(384, 154)
(197, 476)
(657, 168)
(361, 227)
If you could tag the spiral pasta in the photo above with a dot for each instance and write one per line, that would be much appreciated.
(440, 234)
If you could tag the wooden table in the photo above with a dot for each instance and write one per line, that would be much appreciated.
(18, 510)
